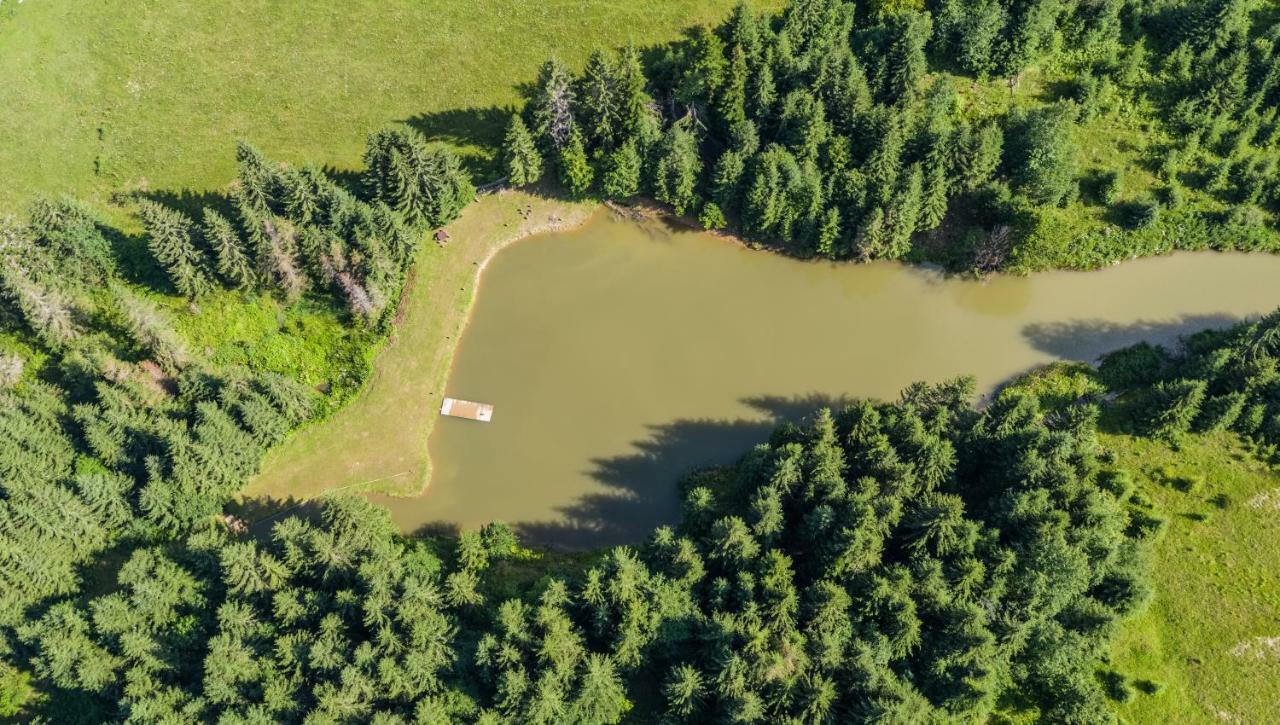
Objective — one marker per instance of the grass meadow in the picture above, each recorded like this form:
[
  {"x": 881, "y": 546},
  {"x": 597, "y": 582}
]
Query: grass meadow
[
  {"x": 1210, "y": 642},
  {"x": 116, "y": 96}
]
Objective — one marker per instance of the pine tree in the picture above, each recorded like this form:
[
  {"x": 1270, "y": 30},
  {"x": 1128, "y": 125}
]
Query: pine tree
[
  {"x": 886, "y": 161},
  {"x": 151, "y": 331},
  {"x": 601, "y": 101},
  {"x": 829, "y": 233},
  {"x": 258, "y": 176},
  {"x": 979, "y": 30},
  {"x": 46, "y": 311},
  {"x": 677, "y": 167},
  {"x": 803, "y": 126},
  {"x": 732, "y": 103},
  {"x": 622, "y": 172},
  {"x": 601, "y": 697},
  {"x": 906, "y": 63},
  {"x": 872, "y": 238},
  {"x": 233, "y": 263},
  {"x": 978, "y": 155},
  {"x": 640, "y": 119},
  {"x": 170, "y": 239},
  {"x": 711, "y": 217},
  {"x": 575, "y": 170},
  {"x": 934, "y": 206},
  {"x": 520, "y": 157},
  {"x": 1031, "y": 25},
  {"x": 703, "y": 69},
  {"x": 424, "y": 182},
  {"x": 1040, "y": 153}
]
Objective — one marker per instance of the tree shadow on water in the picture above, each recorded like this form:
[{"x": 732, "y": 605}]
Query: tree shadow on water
[
  {"x": 1089, "y": 339},
  {"x": 641, "y": 488}
]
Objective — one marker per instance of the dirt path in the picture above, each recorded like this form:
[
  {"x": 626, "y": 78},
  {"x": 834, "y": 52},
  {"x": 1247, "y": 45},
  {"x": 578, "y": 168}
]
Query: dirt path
[{"x": 378, "y": 441}]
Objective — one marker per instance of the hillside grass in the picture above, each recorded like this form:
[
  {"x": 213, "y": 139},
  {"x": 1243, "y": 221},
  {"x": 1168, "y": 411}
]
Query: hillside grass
[
  {"x": 1217, "y": 579},
  {"x": 117, "y": 95}
]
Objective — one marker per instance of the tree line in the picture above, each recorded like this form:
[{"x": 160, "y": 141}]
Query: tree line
[
  {"x": 297, "y": 230},
  {"x": 1218, "y": 380},
  {"x": 840, "y": 130},
  {"x": 907, "y": 561}
]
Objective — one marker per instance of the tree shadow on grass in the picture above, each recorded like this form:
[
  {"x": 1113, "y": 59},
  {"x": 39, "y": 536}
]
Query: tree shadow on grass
[
  {"x": 475, "y": 133},
  {"x": 1089, "y": 339},
  {"x": 641, "y": 489},
  {"x": 261, "y": 513}
]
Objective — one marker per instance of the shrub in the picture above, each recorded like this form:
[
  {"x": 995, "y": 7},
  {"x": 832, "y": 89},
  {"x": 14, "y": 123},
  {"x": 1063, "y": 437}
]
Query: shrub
[
  {"x": 1140, "y": 214},
  {"x": 1117, "y": 687},
  {"x": 1106, "y": 186},
  {"x": 1173, "y": 406},
  {"x": 711, "y": 217}
]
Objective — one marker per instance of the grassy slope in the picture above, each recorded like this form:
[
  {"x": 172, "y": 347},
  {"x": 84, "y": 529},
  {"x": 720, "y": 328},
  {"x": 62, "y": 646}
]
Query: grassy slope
[
  {"x": 114, "y": 95},
  {"x": 1217, "y": 585}
]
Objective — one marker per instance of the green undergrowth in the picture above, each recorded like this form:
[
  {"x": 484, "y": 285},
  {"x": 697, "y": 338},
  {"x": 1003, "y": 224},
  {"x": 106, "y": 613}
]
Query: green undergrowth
[{"x": 311, "y": 341}]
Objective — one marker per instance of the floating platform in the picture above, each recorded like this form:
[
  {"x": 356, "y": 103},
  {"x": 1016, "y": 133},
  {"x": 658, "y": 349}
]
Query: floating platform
[{"x": 482, "y": 412}]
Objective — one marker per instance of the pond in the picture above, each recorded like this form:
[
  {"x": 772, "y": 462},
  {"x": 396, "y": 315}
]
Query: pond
[{"x": 621, "y": 355}]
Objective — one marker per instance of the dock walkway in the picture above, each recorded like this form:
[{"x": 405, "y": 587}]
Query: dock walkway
[{"x": 482, "y": 412}]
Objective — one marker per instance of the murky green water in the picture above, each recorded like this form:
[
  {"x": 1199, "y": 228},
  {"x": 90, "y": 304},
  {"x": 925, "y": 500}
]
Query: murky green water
[{"x": 621, "y": 355}]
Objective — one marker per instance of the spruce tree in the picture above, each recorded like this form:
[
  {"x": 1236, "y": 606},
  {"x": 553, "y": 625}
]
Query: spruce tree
[
  {"x": 520, "y": 158},
  {"x": 575, "y": 170},
  {"x": 640, "y": 119},
  {"x": 622, "y": 172},
  {"x": 424, "y": 182},
  {"x": 906, "y": 63},
  {"x": 232, "y": 261},
  {"x": 600, "y": 101},
  {"x": 258, "y": 175},
  {"x": 1040, "y": 153},
  {"x": 677, "y": 167},
  {"x": 934, "y": 206},
  {"x": 170, "y": 239}
]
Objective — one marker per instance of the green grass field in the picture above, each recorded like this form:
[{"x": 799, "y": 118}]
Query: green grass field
[
  {"x": 118, "y": 95},
  {"x": 1212, "y": 634}
]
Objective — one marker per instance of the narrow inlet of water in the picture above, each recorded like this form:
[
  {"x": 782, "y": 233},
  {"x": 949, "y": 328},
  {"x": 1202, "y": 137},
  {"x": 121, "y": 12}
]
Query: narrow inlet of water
[{"x": 622, "y": 355}]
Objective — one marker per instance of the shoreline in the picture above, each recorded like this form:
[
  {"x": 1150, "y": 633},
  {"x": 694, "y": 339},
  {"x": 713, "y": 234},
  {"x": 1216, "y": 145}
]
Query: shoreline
[
  {"x": 386, "y": 415},
  {"x": 433, "y": 320}
]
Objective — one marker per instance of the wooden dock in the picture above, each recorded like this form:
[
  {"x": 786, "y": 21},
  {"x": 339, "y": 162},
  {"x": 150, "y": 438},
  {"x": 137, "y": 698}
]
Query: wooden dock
[{"x": 482, "y": 412}]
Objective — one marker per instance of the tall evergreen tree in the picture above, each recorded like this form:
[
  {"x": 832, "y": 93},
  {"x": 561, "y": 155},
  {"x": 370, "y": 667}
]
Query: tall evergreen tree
[
  {"x": 424, "y": 182},
  {"x": 600, "y": 101},
  {"x": 170, "y": 239},
  {"x": 520, "y": 158},
  {"x": 575, "y": 169},
  {"x": 233, "y": 263},
  {"x": 622, "y": 172},
  {"x": 553, "y": 106},
  {"x": 677, "y": 167}
]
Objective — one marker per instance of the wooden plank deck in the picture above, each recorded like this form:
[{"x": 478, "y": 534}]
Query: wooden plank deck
[{"x": 482, "y": 412}]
